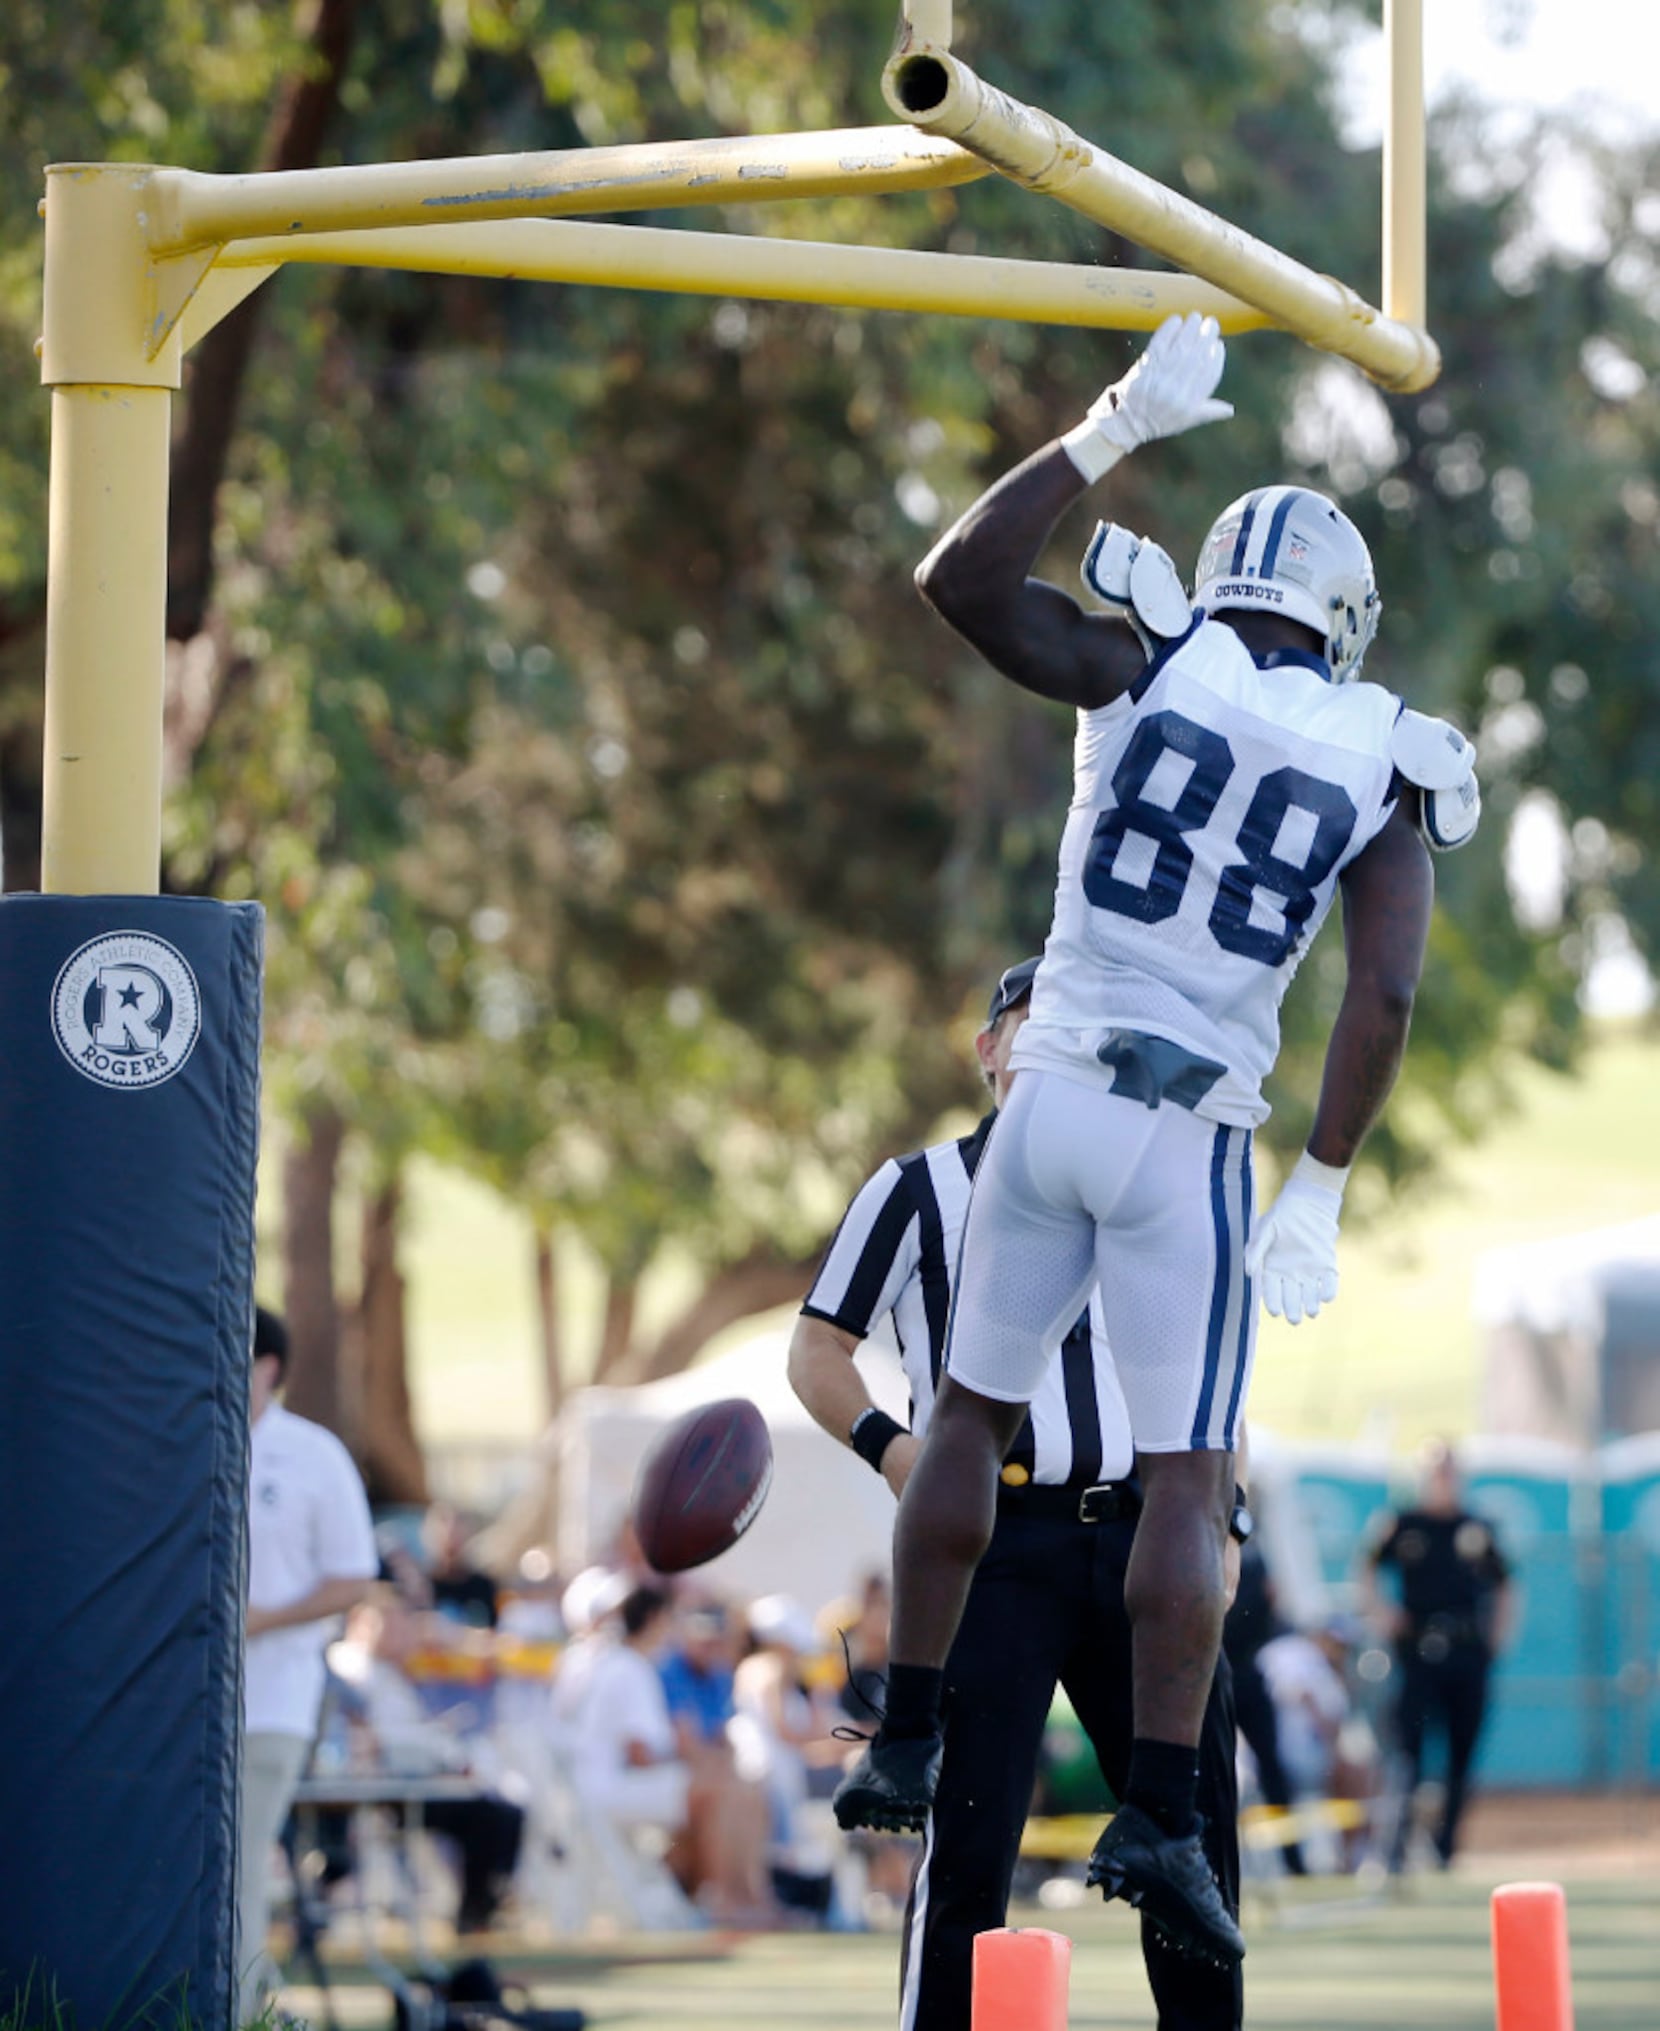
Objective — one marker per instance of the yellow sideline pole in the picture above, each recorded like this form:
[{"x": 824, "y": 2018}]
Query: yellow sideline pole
[
  {"x": 106, "y": 586},
  {"x": 943, "y": 96},
  {"x": 189, "y": 209},
  {"x": 798, "y": 271},
  {"x": 1405, "y": 200},
  {"x": 927, "y": 21}
]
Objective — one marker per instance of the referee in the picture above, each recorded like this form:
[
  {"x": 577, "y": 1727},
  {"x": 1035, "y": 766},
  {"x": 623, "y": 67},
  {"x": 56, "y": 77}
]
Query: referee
[{"x": 1047, "y": 1603}]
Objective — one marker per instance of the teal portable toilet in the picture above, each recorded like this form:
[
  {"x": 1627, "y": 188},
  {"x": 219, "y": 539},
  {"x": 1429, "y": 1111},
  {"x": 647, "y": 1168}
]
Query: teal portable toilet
[
  {"x": 1630, "y": 1519},
  {"x": 1335, "y": 1495}
]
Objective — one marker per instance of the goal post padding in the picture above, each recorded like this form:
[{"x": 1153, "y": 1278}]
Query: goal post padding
[{"x": 129, "y": 1127}]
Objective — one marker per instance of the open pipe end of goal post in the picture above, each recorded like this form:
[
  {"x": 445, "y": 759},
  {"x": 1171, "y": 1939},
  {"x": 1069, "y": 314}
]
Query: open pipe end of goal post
[
  {"x": 1532, "y": 1984},
  {"x": 1021, "y": 1976},
  {"x": 941, "y": 96}
]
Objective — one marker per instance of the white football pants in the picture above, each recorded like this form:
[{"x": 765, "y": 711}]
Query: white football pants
[{"x": 1077, "y": 1184}]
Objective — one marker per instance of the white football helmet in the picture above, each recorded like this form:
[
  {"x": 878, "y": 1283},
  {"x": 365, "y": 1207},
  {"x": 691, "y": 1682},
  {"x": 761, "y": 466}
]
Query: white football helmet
[{"x": 1288, "y": 550}]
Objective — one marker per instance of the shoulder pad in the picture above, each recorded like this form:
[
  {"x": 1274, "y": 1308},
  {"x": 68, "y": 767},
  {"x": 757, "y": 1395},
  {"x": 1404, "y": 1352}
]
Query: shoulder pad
[
  {"x": 1157, "y": 593},
  {"x": 1430, "y": 752},
  {"x": 1106, "y": 566},
  {"x": 1435, "y": 756},
  {"x": 1134, "y": 572}
]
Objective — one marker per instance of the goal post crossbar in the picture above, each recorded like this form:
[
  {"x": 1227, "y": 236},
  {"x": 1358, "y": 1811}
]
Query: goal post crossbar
[
  {"x": 141, "y": 261},
  {"x": 769, "y": 269}
]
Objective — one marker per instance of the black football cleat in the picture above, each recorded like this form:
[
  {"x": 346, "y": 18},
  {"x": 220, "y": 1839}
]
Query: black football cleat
[
  {"x": 891, "y": 1787},
  {"x": 1168, "y": 1878}
]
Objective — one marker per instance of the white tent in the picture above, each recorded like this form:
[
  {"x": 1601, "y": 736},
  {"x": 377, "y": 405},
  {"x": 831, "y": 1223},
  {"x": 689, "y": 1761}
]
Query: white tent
[
  {"x": 1573, "y": 1334},
  {"x": 827, "y": 1520},
  {"x": 1556, "y": 1285}
]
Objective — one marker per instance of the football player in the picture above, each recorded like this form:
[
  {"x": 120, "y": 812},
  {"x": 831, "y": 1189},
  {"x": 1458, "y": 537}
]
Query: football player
[{"x": 1231, "y": 776}]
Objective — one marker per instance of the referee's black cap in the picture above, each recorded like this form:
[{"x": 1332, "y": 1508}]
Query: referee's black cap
[
  {"x": 270, "y": 1335},
  {"x": 1014, "y": 987}
]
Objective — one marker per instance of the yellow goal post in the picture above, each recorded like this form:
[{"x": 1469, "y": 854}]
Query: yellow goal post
[{"x": 141, "y": 261}]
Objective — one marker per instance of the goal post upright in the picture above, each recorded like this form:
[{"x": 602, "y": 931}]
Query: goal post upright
[
  {"x": 926, "y": 21},
  {"x": 1405, "y": 179},
  {"x": 107, "y": 538}
]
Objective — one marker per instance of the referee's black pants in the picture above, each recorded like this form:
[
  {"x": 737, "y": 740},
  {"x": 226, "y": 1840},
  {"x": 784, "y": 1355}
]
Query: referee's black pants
[{"x": 1047, "y": 1607}]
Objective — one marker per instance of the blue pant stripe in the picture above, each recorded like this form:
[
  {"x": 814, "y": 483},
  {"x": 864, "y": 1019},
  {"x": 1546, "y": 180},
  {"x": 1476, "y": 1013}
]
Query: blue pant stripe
[
  {"x": 1219, "y": 1289},
  {"x": 1247, "y": 1300}
]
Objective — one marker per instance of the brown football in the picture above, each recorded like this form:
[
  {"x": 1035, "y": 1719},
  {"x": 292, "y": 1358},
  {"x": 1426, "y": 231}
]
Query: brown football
[{"x": 702, "y": 1484}]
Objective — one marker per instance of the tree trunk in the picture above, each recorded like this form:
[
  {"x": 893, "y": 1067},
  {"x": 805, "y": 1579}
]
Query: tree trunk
[
  {"x": 617, "y": 1334},
  {"x": 547, "y": 1323},
  {"x": 309, "y": 1174},
  {"x": 20, "y": 773},
  {"x": 757, "y": 1283},
  {"x": 391, "y": 1453},
  {"x": 219, "y": 370}
]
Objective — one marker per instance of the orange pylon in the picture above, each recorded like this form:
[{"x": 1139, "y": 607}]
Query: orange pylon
[
  {"x": 1020, "y": 1979},
  {"x": 1530, "y": 1958}
]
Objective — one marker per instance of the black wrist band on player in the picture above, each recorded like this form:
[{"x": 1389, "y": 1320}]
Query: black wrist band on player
[{"x": 871, "y": 1434}]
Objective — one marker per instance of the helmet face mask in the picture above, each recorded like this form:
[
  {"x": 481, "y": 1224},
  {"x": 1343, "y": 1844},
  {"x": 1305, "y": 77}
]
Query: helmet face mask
[{"x": 1290, "y": 551}]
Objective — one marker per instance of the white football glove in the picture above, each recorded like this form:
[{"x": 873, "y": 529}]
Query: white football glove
[
  {"x": 1293, "y": 1253},
  {"x": 1171, "y": 388}
]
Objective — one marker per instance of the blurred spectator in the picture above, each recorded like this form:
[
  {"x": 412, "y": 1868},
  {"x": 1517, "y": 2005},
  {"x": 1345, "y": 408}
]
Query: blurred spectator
[
  {"x": 721, "y": 1856},
  {"x": 527, "y": 1632},
  {"x": 1305, "y": 1672},
  {"x": 589, "y": 1609},
  {"x": 372, "y": 1664},
  {"x": 782, "y": 1735},
  {"x": 888, "y": 1859},
  {"x": 626, "y": 1755},
  {"x": 459, "y": 1590},
  {"x": 1304, "y": 1675},
  {"x": 400, "y": 1567},
  {"x": 529, "y": 1605},
  {"x": 1452, "y": 1617},
  {"x": 696, "y": 1670},
  {"x": 867, "y": 1651},
  {"x": 311, "y": 1555},
  {"x": 1253, "y": 1622}
]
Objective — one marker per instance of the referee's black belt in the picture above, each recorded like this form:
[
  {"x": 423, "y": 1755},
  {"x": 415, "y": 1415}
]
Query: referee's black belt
[{"x": 1102, "y": 1502}]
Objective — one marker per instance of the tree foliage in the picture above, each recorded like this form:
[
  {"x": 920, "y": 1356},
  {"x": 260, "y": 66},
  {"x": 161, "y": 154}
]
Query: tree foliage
[{"x": 629, "y": 832}]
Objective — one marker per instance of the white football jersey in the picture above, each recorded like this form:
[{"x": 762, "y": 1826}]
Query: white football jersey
[{"x": 1214, "y": 807}]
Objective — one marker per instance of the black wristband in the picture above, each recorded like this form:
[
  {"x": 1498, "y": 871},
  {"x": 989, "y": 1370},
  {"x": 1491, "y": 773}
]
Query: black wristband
[{"x": 871, "y": 1434}]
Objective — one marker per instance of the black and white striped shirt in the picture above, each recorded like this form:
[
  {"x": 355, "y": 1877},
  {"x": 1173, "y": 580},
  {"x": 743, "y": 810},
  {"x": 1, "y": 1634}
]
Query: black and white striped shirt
[{"x": 896, "y": 1253}]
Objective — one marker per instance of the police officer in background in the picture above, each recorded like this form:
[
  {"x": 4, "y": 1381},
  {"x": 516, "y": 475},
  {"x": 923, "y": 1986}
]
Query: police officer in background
[
  {"x": 1454, "y": 1614},
  {"x": 1047, "y": 1602}
]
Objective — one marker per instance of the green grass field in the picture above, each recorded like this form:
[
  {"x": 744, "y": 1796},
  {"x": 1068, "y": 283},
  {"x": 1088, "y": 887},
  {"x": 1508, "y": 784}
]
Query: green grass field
[
  {"x": 1398, "y": 1357},
  {"x": 1422, "y": 1960}
]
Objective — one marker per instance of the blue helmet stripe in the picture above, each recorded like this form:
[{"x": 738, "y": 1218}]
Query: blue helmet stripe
[
  {"x": 1244, "y": 536},
  {"x": 1276, "y": 529}
]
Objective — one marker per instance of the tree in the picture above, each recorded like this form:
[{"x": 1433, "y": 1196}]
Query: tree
[{"x": 628, "y": 831}]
